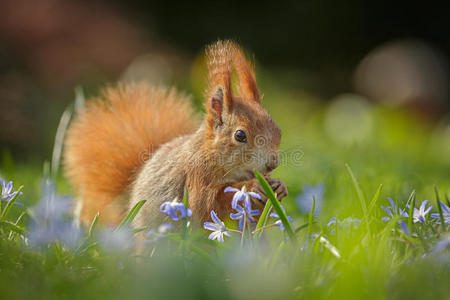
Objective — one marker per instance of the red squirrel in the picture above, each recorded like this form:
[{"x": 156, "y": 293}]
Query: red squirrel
[{"x": 137, "y": 142}]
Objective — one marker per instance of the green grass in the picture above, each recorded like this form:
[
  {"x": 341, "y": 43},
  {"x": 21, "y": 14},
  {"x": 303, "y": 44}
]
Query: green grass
[{"x": 376, "y": 260}]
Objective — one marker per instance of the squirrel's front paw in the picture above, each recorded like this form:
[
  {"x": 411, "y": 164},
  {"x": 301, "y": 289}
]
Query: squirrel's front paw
[{"x": 278, "y": 186}]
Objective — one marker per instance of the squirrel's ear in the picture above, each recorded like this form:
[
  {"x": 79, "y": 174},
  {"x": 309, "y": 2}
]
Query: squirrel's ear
[{"x": 219, "y": 105}]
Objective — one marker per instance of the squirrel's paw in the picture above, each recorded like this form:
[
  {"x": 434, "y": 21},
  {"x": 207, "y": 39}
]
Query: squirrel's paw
[{"x": 278, "y": 186}]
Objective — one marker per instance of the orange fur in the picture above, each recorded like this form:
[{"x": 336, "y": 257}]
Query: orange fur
[{"x": 115, "y": 134}]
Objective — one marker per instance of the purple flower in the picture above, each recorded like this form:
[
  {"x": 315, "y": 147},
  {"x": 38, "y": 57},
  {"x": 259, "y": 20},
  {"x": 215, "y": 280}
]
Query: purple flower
[
  {"x": 305, "y": 200},
  {"x": 442, "y": 244},
  {"x": 332, "y": 221},
  {"x": 347, "y": 224},
  {"x": 8, "y": 193},
  {"x": 218, "y": 228},
  {"x": 404, "y": 227},
  {"x": 243, "y": 213},
  {"x": 279, "y": 223},
  {"x": 153, "y": 236},
  {"x": 241, "y": 195},
  {"x": 176, "y": 210},
  {"x": 421, "y": 213},
  {"x": 393, "y": 211},
  {"x": 445, "y": 214},
  {"x": 52, "y": 220},
  {"x": 313, "y": 237}
]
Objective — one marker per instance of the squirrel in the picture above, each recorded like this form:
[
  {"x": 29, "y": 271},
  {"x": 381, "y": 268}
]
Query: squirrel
[{"x": 137, "y": 142}]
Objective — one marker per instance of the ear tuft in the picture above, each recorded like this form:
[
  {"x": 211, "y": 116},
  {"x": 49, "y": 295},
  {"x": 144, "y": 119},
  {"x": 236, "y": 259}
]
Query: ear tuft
[{"x": 248, "y": 89}]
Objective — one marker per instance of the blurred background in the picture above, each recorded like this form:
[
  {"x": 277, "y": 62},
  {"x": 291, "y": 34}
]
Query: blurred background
[{"x": 338, "y": 57}]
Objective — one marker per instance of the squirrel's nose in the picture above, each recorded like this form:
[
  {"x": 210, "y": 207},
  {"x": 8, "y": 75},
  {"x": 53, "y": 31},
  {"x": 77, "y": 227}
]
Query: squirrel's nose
[{"x": 273, "y": 163}]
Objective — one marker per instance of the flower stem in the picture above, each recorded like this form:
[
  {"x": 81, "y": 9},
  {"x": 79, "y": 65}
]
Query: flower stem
[
  {"x": 243, "y": 230},
  {"x": 262, "y": 228}
]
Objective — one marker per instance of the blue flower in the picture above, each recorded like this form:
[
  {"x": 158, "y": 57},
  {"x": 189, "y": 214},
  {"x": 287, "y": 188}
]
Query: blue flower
[
  {"x": 279, "y": 223},
  {"x": 153, "y": 236},
  {"x": 445, "y": 214},
  {"x": 52, "y": 220},
  {"x": 8, "y": 193},
  {"x": 347, "y": 224},
  {"x": 404, "y": 227},
  {"x": 218, "y": 228},
  {"x": 176, "y": 210},
  {"x": 442, "y": 244},
  {"x": 243, "y": 213},
  {"x": 421, "y": 213},
  {"x": 241, "y": 195},
  {"x": 393, "y": 211},
  {"x": 313, "y": 237},
  {"x": 305, "y": 200}
]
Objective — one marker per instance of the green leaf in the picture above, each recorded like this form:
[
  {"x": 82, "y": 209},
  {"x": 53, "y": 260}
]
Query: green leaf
[
  {"x": 131, "y": 215},
  {"x": 276, "y": 205},
  {"x": 262, "y": 219}
]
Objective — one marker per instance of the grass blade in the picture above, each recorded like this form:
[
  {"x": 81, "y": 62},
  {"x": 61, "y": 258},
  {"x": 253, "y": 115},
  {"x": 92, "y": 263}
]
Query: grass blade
[
  {"x": 311, "y": 217},
  {"x": 301, "y": 227},
  {"x": 276, "y": 256},
  {"x": 185, "y": 198},
  {"x": 185, "y": 220},
  {"x": 411, "y": 211},
  {"x": 361, "y": 197},
  {"x": 374, "y": 200},
  {"x": 13, "y": 227},
  {"x": 441, "y": 216},
  {"x": 131, "y": 215},
  {"x": 93, "y": 225},
  {"x": 20, "y": 218},
  {"x": 276, "y": 205},
  {"x": 79, "y": 99},
  {"x": 59, "y": 140},
  {"x": 328, "y": 245},
  {"x": 262, "y": 219}
]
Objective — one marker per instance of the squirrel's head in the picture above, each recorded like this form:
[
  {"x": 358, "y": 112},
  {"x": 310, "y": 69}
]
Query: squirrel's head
[{"x": 237, "y": 126}]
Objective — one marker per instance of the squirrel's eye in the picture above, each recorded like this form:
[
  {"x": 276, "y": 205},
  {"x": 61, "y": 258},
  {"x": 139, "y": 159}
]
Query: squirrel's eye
[{"x": 240, "y": 136}]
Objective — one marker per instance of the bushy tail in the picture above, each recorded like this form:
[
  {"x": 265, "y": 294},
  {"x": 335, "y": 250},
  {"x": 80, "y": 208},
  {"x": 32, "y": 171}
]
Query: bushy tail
[{"x": 115, "y": 134}]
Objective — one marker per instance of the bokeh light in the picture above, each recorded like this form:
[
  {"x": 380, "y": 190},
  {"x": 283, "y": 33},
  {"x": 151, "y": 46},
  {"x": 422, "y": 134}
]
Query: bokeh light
[{"x": 348, "y": 119}]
